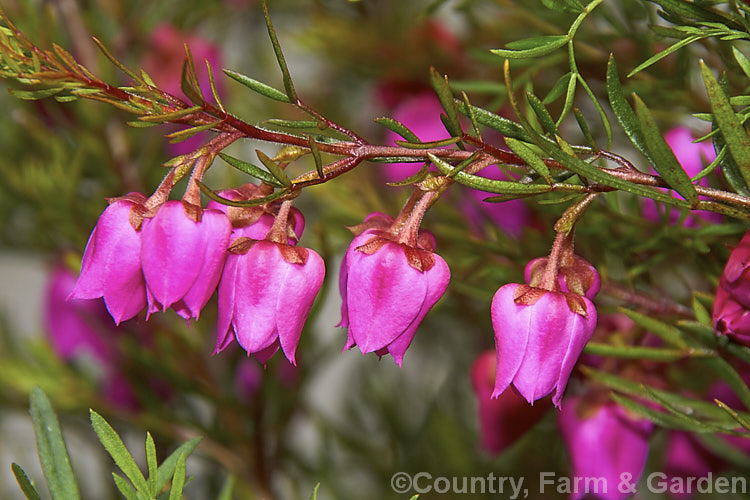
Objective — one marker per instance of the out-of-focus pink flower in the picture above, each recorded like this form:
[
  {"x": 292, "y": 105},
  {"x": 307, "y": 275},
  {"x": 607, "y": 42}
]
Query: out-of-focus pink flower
[
  {"x": 387, "y": 289},
  {"x": 111, "y": 265},
  {"x": 736, "y": 275},
  {"x": 264, "y": 299},
  {"x": 163, "y": 63},
  {"x": 603, "y": 441},
  {"x": 505, "y": 419},
  {"x": 539, "y": 336},
  {"x": 421, "y": 114},
  {"x": 691, "y": 156},
  {"x": 183, "y": 258}
]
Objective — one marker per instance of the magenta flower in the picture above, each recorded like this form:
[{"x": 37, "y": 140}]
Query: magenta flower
[
  {"x": 575, "y": 275},
  {"x": 111, "y": 265},
  {"x": 736, "y": 276},
  {"x": 604, "y": 441},
  {"x": 539, "y": 335},
  {"x": 505, "y": 419},
  {"x": 183, "y": 257},
  {"x": 265, "y": 294},
  {"x": 731, "y": 312},
  {"x": 387, "y": 289},
  {"x": 692, "y": 157}
]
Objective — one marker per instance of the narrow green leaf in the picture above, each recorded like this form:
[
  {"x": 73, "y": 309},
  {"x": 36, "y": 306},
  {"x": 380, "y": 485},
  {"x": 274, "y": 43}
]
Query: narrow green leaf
[
  {"x": 66, "y": 98},
  {"x": 531, "y": 158},
  {"x": 245, "y": 203},
  {"x": 729, "y": 167},
  {"x": 472, "y": 117},
  {"x": 167, "y": 467},
  {"x": 570, "y": 96},
  {"x": 418, "y": 177},
  {"x": 585, "y": 128},
  {"x": 541, "y": 112},
  {"x": 742, "y": 61},
  {"x": 693, "y": 11},
  {"x": 293, "y": 123},
  {"x": 227, "y": 490},
  {"x": 119, "y": 453},
  {"x": 599, "y": 109},
  {"x": 736, "y": 416},
  {"x": 124, "y": 488},
  {"x": 622, "y": 110},
  {"x": 166, "y": 117},
  {"x": 137, "y": 124},
  {"x": 316, "y": 157},
  {"x": 187, "y": 133},
  {"x": 532, "y": 47},
  {"x": 731, "y": 377},
  {"x": 443, "y": 91},
  {"x": 557, "y": 89},
  {"x": 667, "y": 333},
  {"x": 487, "y": 185},
  {"x": 24, "y": 483},
  {"x": 288, "y": 85},
  {"x": 496, "y": 122},
  {"x": 314, "y": 495},
  {"x": 33, "y": 95},
  {"x": 639, "y": 352},
  {"x": 662, "y": 419},
  {"x": 178, "y": 480},
  {"x": 274, "y": 168},
  {"x": 665, "y": 162},
  {"x": 189, "y": 82},
  {"x": 701, "y": 313},
  {"x": 428, "y": 145},
  {"x": 664, "y": 53},
  {"x": 151, "y": 462},
  {"x": 251, "y": 169},
  {"x": 114, "y": 60},
  {"x": 729, "y": 123},
  {"x": 259, "y": 87},
  {"x": 212, "y": 84},
  {"x": 398, "y": 127},
  {"x": 53, "y": 455}
]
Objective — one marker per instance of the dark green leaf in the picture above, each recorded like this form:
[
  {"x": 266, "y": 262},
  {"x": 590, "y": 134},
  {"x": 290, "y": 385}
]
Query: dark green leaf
[
  {"x": 487, "y": 185},
  {"x": 245, "y": 203},
  {"x": 585, "y": 128},
  {"x": 736, "y": 416},
  {"x": 166, "y": 117},
  {"x": 443, "y": 91},
  {"x": 664, "y": 53},
  {"x": 293, "y": 123},
  {"x": 731, "y": 377},
  {"x": 119, "y": 453},
  {"x": 286, "y": 76},
  {"x": 667, "y": 333},
  {"x": 316, "y": 157},
  {"x": 622, "y": 110},
  {"x": 189, "y": 82},
  {"x": 558, "y": 89},
  {"x": 532, "y": 47},
  {"x": 531, "y": 158},
  {"x": 399, "y": 128},
  {"x": 729, "y": 123},
  {"x": 639, "y": 352},
  {"x": 274, "y": 168},
  {"x": 53, "y": 455},
  {"x": 428, "y": 145},
  {"x": 496, "y": 122},
  {"x": 418, "y": 177},
  {"x": 541, "y": 112},
  {"x": 259, "y": 87},
  {"x": 660, "y": 418},
  {"x": 665, "y": 162},
  {"x": 167, "y": 467},
  {"x": 24, "y": 483},
  {"x": 693, "y": 11}
]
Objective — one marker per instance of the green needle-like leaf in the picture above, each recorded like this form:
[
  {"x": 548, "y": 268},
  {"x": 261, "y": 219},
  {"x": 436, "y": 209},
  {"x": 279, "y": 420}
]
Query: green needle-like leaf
[
  {"x": 178, "y": 480},
  {"x": 53, "y": 455},
  {"x": 532, "y": 47},
  {"x": 314, "y": 495},
  {"x": 736, "y": 416},
  {"x": 667, "y": 333},
  {"x": 665, "y": 162},
  {"x": 316, "y": 156},
  {"x": 286, "y": 76},
  {"x": 124, "y": 488},
  {"x": 167, "y": 467},
  {"x": 245, "y": 203},
  {"x": 274, "y": 168},
  {"x": 24, "y": 483},
  {"x": 531, "y": 158},
  {"x": 731, "y": 377},
  {"x": 251, "y": 169},
  {"x": 119, "y": 453},
  {"x": 622, "y": 110},
  {"x": 443, "y": 91},
  {"x": 496, "y": 122},
  {"x": 398, "y": 127},
  {"x": 259, "y": 87},
  {"x": 151, "y": 462},
  {"x": 729, "y": 123},
  {"x": 541, "y": 112},
  {"x": 227, "y": 490},
  {"x": 487, "y": 185}
]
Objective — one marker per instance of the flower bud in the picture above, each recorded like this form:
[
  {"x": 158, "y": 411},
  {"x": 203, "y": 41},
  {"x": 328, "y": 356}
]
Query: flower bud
[
  {"x": 387, "y": 288},
  {"x": 736, "y": 276},
  {"x": 111, "y": 265},
  {"x": 730, "y": 317},
  {"x": 603, "y": 441},
  {"x": 183, "y": 257},
  {"x": 505, "y": 419},
  {"x": 538, "y": 335}
]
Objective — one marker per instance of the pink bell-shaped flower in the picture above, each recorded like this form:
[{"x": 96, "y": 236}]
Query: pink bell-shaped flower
[
  {"x": 111, "y": 265},
  {"x": 505, "y": 419},
  {"x": 266, "y": 292},
  {"x": 539, "y": 335},
  {"x": 387, "y": 289},
  {"x": 603, "y": 441},
  {"x": 183, "y": 256}
]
